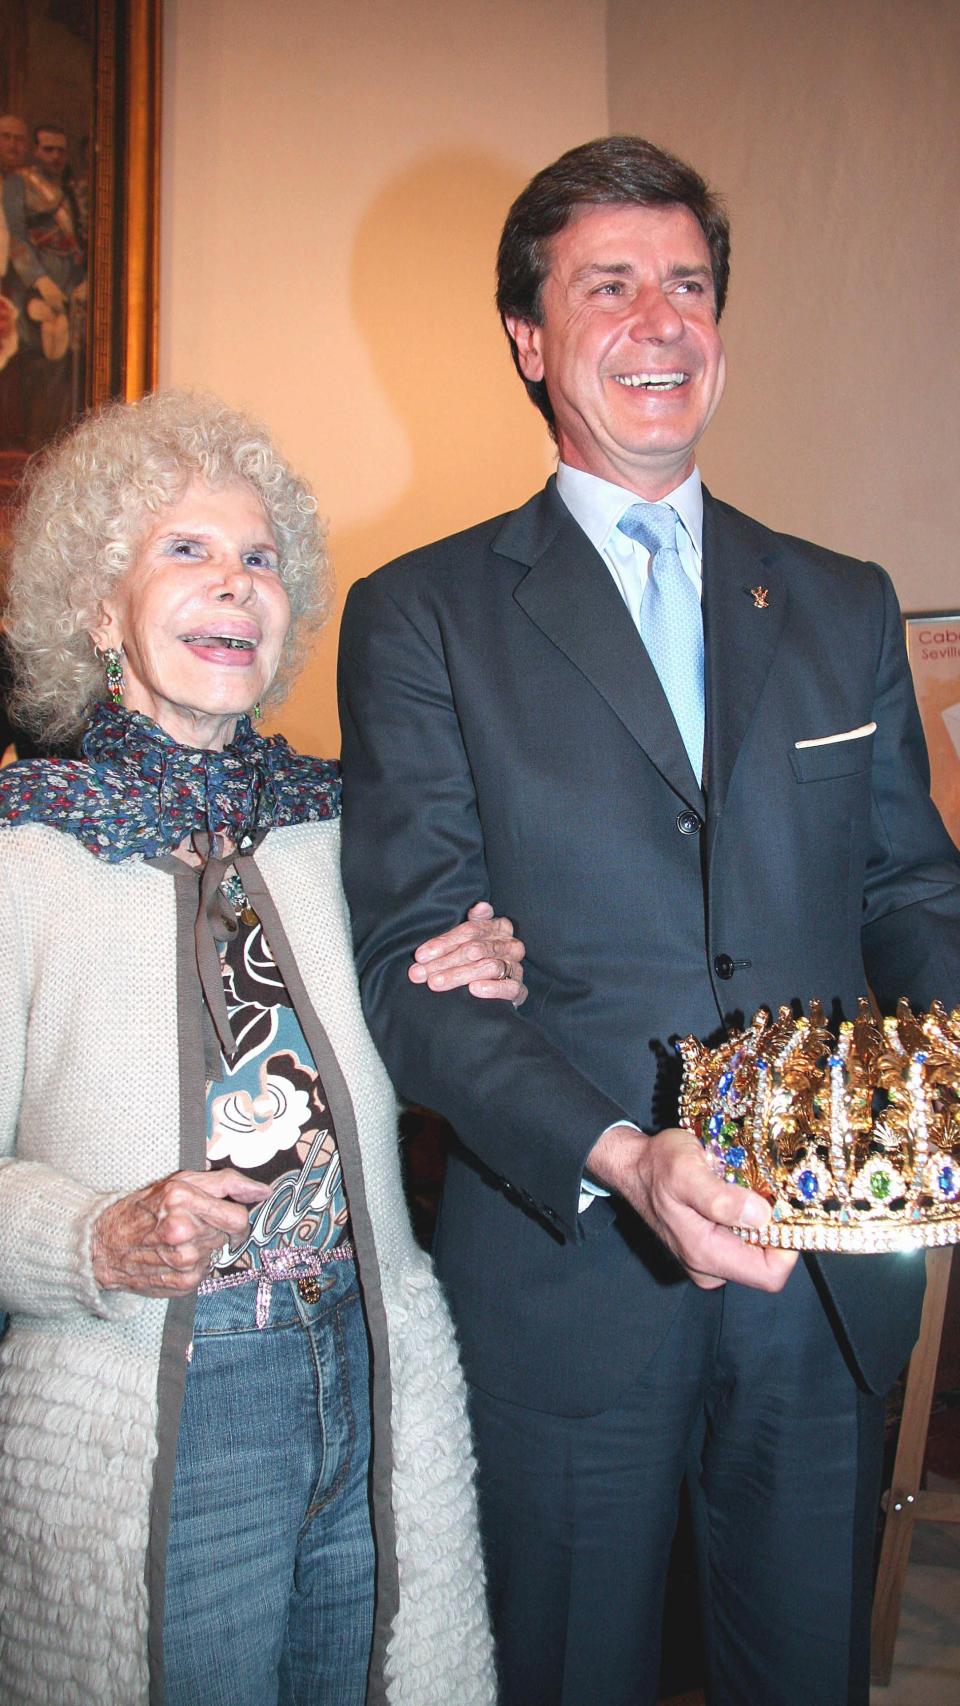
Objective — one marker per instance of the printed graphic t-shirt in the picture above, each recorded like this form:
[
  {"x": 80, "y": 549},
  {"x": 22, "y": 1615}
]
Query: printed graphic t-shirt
[{"x": 267, "y": 1113}]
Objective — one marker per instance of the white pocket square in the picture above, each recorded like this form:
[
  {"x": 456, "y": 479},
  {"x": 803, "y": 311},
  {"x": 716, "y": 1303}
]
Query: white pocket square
[{"x": 848, "y": 734}]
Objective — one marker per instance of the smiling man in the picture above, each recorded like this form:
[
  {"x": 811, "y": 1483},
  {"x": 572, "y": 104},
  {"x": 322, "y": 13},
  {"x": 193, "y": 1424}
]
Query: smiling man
[
  {"x": 684, "y": 753},
  {"x": 626, "y": 343}
]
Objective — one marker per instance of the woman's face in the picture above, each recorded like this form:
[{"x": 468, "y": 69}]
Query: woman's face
[{"x": 201, "y": 614}]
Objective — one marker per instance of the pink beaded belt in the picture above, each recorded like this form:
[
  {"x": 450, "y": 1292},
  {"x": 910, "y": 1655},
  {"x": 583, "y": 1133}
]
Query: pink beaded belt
[{"x": 282, "y": 1264}]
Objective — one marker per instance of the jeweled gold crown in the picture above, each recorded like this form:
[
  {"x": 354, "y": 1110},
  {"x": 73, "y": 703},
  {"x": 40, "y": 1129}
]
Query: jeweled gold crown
[{"x": 853, "y": 1137}]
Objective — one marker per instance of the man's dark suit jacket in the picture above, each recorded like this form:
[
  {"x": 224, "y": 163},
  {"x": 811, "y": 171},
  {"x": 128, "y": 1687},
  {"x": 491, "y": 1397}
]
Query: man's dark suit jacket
[{"x": 505, "y": 736}]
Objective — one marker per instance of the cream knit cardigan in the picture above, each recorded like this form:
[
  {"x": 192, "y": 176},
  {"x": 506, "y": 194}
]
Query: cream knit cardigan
[{"x": 89, "y": 1109}]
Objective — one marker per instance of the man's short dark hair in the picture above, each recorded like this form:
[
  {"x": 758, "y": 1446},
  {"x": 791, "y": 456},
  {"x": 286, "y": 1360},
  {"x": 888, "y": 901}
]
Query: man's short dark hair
[
  {"x": 612, "y": 169},
  {"x": 57, "y": 130}
]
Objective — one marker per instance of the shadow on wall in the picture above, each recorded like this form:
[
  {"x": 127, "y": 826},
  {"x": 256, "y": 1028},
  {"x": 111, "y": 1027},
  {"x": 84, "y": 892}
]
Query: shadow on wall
[
  {"x": 422, "y": 293},
  {"x": 422, "y": 297}
]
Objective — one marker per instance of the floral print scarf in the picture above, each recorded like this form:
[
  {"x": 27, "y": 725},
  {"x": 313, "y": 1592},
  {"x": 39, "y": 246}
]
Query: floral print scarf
[{"x": 136, "y": 791}]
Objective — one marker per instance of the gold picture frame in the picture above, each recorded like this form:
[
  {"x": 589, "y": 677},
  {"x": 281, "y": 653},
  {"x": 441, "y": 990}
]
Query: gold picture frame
[{"x": 125, "y": 227}]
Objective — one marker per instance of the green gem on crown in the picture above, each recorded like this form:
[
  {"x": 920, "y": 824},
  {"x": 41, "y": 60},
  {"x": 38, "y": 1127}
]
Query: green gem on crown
[{"x": 880, "y": 1185}]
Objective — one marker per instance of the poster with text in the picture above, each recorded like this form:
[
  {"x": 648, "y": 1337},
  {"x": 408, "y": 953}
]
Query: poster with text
[{"x": 933, "y": 647}]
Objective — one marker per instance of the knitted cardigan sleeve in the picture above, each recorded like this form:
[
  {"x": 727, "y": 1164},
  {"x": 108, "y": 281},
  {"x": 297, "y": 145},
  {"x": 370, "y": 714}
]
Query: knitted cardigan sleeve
[{"x": 46, "y": 1217}]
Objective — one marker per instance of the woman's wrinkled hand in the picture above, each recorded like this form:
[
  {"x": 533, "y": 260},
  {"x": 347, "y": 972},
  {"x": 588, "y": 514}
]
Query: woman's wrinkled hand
[
  {"x": 482, "y": 953},
  {"x": 158, "y": 1241}
]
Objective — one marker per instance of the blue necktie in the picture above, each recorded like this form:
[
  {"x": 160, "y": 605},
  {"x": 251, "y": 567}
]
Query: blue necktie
[{"x": 671, "y": 622}]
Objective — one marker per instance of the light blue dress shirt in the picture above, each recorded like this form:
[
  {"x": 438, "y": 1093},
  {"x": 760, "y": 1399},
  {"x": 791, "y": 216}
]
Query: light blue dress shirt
[{"x": 597, "y": 506}]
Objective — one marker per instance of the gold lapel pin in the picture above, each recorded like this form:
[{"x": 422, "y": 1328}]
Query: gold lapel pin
[{"x": 760, "y": 596}]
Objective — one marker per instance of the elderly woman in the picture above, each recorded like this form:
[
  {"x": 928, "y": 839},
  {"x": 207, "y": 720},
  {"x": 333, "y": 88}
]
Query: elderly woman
[{"x": 214, "y": 1295}]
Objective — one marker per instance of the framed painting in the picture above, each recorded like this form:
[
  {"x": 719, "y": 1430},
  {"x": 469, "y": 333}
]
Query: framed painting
[
  {"x": 933, "y": 647},
  {"x": 79, "y": 154}
]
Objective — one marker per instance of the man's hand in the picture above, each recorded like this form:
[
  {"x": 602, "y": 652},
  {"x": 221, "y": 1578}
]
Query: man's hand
[
  {"x": 668, "y": 1180},
  {"x": 158, "y": 1241},
  {"x": 482, "y": 953}
]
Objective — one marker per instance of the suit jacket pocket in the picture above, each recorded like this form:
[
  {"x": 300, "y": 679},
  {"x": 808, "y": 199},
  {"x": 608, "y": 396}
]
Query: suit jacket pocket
[{"x": 841, "y": 758}]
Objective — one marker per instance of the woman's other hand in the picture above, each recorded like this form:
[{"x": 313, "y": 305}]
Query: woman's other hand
[
  {"x": 159, "y": 1241},
  {"x": 483, "y": 953}
]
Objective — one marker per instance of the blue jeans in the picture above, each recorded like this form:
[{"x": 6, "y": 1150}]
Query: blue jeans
[{"x": 270, "y": 1561}]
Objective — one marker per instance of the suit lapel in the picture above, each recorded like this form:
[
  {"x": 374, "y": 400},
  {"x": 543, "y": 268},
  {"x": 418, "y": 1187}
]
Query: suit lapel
[
  {"x": 570, "y": 595},
  {"x": 745, "y": 593}
]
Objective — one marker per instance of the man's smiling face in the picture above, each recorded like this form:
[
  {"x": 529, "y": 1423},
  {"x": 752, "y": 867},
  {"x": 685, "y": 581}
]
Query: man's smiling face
[{"x": 628, "y": 345}]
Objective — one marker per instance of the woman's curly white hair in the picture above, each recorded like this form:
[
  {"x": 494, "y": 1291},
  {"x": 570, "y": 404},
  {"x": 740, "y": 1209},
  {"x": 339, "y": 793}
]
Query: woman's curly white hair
[{"x": 92, "y": 496}]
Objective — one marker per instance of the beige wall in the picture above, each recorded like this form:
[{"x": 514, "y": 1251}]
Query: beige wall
[
  {"x": 335, "y": 176},
  {"x": 832, "y": 127},
  {"x": 334, "y": 180}
]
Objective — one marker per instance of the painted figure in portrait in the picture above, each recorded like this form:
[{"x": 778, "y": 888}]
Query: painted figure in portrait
[
  {"x": 47, "y": 85},
  {"x": 46, "y": 282},
  {"x": 47, "y": 97}
]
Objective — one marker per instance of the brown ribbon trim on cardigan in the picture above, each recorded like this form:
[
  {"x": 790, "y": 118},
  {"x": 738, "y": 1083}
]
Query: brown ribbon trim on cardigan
[{"x": 215, "y": 920}]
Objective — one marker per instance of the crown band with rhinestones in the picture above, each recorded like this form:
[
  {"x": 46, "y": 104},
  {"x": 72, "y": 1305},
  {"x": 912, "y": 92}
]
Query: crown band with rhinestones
[{"x": 853, "y": 1136}]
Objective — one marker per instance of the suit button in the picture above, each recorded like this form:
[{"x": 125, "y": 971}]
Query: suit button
[
  {"x": 723, "y": 966},
  {"x": 688, "y": 823}
]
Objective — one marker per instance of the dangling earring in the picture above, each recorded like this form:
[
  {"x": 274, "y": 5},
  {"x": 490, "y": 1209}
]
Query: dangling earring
[
  {"x": 256, "y": 711},
  {"x": 110, "y": 658}
]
